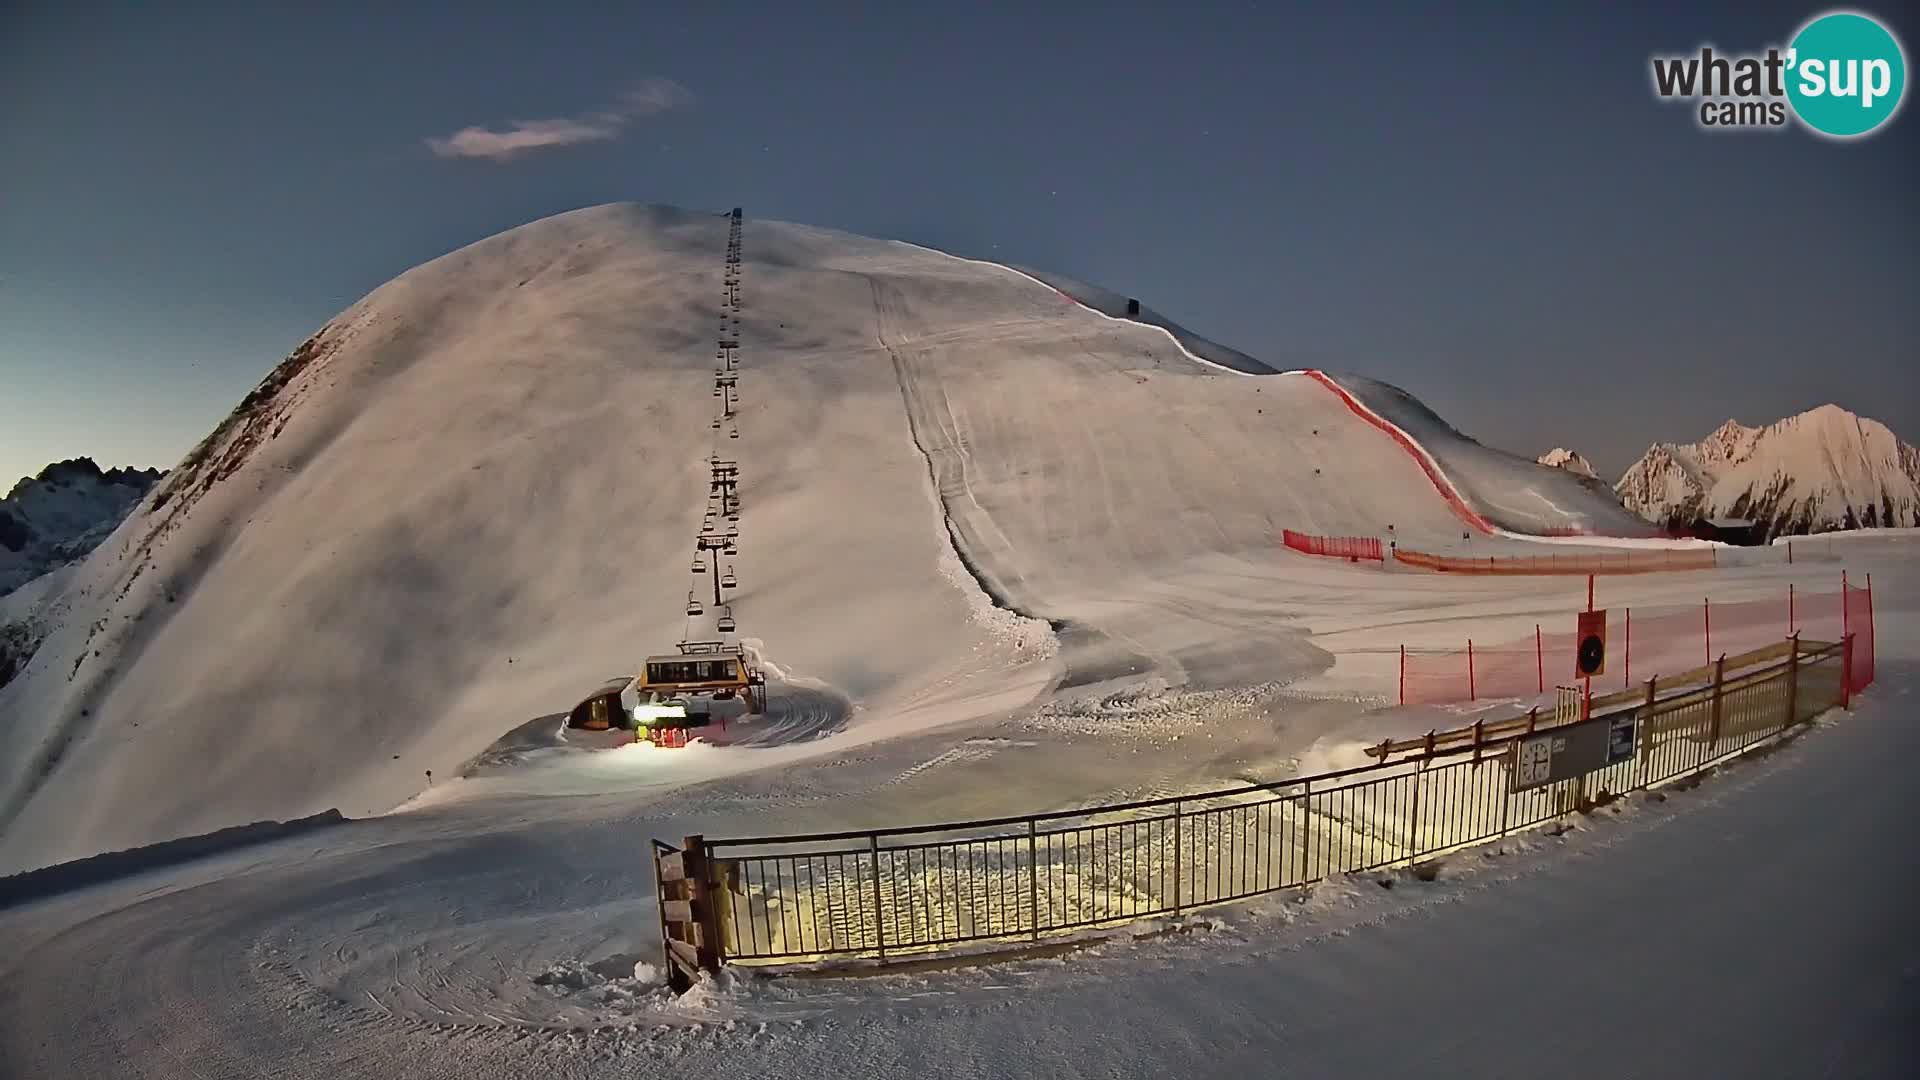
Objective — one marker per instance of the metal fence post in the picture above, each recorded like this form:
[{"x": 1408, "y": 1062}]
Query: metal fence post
[
  {"x": 1413, "y": 829},
  {"x": 1176, "y": 857},
  {"x": 1306, "y": 832},
  {"x": 1646, "y": 727},
  {"x": 1793, "y": 681},
  {"x": 879, "y": 924},
  {"x": 1506, "y": 788},
  {"x": 1033, "y": 877},
  {"x": 1713, "y": 715}
]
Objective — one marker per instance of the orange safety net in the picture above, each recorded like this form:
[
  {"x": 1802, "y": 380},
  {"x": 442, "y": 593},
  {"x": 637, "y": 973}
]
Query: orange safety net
[
  {"x": 1586, "y": 562},
  {"x": 1639, "y": 646}
]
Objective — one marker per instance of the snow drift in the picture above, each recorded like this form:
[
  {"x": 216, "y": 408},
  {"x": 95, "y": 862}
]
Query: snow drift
[{"x": 472, "y": 495}]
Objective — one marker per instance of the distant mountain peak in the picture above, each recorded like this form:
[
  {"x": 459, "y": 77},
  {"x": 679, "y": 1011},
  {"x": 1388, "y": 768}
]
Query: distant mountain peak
[
  {"x": 1561, "y": 458},
  {"x": 57, "y": 516},
  {"x": 1823, "y": 469}
]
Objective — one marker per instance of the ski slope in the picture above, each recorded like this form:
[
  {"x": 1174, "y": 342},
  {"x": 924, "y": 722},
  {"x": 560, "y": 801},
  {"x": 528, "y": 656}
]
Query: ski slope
[
  {"x": 471, "y": 497},
  {"x": 501, "y": 938}
]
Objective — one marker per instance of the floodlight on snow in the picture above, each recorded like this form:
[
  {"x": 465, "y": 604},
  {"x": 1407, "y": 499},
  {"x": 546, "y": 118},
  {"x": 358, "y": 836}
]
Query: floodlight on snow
[{"x": 647, "y": 714}]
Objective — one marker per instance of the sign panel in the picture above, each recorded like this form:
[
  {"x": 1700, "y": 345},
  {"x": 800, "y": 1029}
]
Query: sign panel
[
  {"x": 1590, "y": 645},
  {"x": 1620, "y": 732},
  {"x": 1564, "y": 753}
]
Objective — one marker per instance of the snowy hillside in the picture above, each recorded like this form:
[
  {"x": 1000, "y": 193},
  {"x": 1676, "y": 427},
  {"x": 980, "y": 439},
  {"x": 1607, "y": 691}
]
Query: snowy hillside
[
  {"x": 54, "y": 518},
  {"x": 471, "y": 497},
  {"x": 1821, "y": 470},
  {"x": 1570, "y": 460}
]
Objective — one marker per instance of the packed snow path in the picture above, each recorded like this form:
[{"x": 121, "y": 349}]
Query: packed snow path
[{"x": 1753, "y": 926}]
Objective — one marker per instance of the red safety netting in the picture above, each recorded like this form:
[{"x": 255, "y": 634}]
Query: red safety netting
[
  {"x": 1639, "y": 646},
  {"x": 1591, "y": 562},
  {"x": 1343, "y": 547},
  {"x": 1858, "y": 620}
]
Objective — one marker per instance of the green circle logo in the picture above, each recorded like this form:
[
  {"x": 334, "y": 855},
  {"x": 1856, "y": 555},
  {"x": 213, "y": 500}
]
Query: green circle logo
[{"x": 1845, "y": 74}]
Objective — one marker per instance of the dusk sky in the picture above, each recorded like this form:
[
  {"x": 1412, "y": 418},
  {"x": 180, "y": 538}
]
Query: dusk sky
[{"x": 1490, "y": 209}]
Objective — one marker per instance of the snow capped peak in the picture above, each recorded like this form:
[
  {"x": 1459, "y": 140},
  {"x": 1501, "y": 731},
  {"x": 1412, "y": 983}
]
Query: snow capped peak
[
  {"x": 1562, "y": 458},
  {"x": 1826, "y": 468},
  {"x": 58, "y": 516}
]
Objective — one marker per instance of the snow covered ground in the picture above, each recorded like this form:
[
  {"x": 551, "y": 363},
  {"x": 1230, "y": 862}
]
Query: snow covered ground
[
  {"x": 1751, "y": 926},
  {"x": 974, "y": 511}
]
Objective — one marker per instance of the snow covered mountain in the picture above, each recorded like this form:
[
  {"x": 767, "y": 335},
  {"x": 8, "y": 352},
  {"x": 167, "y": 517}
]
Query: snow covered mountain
[
  {"x": 1562, "y": 458},
  {"x": 54, "y": 518},
  {"x": 1821, "y": 470},
  {"x": 473, "y": 495}
]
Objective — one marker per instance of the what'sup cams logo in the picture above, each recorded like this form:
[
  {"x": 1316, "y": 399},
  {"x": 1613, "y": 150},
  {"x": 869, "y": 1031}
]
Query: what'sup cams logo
[{"x": 1842, "y": 75}]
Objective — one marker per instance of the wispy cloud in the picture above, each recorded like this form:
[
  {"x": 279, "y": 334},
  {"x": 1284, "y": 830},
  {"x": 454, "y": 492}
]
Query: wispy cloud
[{"x": 649, "y": 98}]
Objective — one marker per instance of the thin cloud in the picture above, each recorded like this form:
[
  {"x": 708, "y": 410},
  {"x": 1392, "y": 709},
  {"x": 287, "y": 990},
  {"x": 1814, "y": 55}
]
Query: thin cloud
[{"x": 650, "y": 98}]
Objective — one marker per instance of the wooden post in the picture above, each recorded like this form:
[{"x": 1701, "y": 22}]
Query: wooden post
[
  {"x": 1790, "y": 613},
  {"x": 1539, "y": 660},
  {"x": 1589, "y": 592},
  {"x": 705, "y": 913},
  {"x": 1403, "y": 674},
  {"x": 1478, "y": 726}
]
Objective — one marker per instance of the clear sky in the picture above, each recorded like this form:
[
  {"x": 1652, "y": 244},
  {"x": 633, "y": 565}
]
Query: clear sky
[{"x": 1485, "y": 205}]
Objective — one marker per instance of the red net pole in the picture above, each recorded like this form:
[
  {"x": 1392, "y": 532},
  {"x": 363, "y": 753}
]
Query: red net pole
[
  {"x": 1790, "y": 619},
  {"x": 1473, "y": 694},
  {"x": 1403, "y": 674},
  {"x": 1872, "y": 648},
  {"x": 1589, "y": 592},
  {"x": 1706, "y": 610},
  {"x": 1846, "y": 672},
  {"x": 1628, "y": 679},
  {"x": 1846, "y": 622}
]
